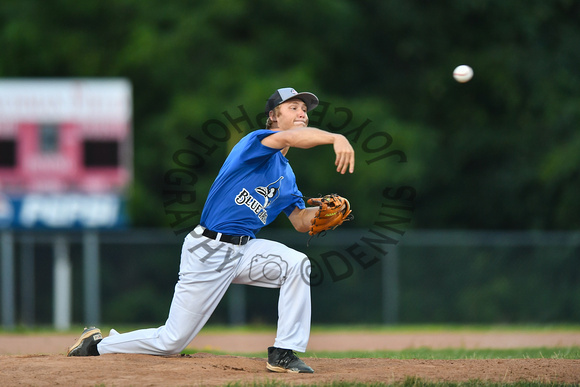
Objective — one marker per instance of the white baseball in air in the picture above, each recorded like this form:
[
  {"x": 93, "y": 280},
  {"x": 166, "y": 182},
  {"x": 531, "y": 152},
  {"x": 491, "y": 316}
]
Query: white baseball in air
[{"x": 463, "y": 73}]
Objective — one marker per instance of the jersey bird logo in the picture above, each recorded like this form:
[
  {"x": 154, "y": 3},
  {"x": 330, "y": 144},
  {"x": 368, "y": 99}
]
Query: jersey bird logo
[{"x": 270, "y": 192}]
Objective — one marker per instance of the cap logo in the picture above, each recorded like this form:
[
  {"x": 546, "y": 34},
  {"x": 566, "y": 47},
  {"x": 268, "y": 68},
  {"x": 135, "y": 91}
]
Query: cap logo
[{"x": 293, "y": 91}]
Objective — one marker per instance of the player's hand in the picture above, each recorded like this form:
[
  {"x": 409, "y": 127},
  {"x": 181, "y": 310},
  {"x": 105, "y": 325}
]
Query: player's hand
[{"x": 344, "y": 155}]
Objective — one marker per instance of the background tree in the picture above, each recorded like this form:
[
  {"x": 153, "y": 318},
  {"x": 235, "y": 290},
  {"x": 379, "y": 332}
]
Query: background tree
[{"x": 500, "y": 152}]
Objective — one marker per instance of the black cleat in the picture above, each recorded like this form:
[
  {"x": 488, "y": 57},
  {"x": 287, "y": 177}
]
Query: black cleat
[
  {"x": 86, "y": 345},
  {"x": 284, "y": 360}
]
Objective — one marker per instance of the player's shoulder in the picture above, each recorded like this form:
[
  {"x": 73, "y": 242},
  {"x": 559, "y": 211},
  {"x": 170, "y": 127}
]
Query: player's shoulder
[
  {"x": 256, "y": 136},
  {"x": 262, "y": 133},
  {"x": 252, "y": 141}
]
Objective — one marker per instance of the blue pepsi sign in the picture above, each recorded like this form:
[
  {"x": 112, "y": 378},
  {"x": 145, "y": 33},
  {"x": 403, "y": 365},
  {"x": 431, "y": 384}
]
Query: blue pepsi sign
[{"x": 63, "y": 211}]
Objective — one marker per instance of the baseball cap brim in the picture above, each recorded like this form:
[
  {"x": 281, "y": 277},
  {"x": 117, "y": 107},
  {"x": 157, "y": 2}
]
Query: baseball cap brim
[{"x": 284, "y": 94}]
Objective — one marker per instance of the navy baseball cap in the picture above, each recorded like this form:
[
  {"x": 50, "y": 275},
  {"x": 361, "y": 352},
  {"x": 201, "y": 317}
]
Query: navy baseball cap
[{"x": 282, "y": 95}]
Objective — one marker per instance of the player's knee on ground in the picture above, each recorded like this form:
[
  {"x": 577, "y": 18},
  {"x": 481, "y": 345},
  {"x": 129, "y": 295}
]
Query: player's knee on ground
[{"x": 174, "y": 345}]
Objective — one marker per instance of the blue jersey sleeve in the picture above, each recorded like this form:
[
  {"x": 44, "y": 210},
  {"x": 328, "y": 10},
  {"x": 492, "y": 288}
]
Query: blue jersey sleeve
[{"x": 298, "y": 202}]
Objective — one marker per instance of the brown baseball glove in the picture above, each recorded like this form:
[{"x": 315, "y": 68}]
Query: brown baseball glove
[{"x": 333, "y": 210}]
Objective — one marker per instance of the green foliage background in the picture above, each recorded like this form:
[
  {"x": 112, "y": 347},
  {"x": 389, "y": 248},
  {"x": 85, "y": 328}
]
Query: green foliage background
[{"x": 500, "y": 152}]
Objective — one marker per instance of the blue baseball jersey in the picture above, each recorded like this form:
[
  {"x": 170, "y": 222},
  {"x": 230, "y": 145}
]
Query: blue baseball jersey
[{"x": 255, "y": 184}]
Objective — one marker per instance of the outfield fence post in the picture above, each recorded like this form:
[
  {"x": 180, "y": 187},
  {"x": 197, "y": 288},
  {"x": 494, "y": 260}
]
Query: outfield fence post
[
  {"x": 62, "y": 278},
  {"x": 390, "y": 278},
  {"x": 91, "y": 278},
  {"x": 27, "y": 280},
  {"x": 7, "y": 278}
]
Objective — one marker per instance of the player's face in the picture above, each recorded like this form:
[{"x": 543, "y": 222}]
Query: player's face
[{"x": 291, "y": 114}]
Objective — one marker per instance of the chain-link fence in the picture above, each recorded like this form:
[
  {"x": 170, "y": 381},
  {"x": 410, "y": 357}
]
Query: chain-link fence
[{"x": 357, "y": 277}]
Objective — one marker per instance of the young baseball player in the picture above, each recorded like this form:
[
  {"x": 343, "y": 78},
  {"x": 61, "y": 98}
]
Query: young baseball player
[{"x": 254, "y": 185}]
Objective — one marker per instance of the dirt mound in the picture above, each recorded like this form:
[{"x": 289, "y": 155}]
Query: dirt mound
[
  {"x": 39, "y": 360},
  {"x": 212, "y": 370}
]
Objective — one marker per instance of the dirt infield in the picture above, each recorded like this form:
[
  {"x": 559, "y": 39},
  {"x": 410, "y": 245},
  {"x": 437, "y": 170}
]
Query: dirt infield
[{"x": 40, "y": 360}]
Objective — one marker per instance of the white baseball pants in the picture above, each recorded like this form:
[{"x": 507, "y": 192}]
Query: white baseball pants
[{"x": 206, "y": 270}]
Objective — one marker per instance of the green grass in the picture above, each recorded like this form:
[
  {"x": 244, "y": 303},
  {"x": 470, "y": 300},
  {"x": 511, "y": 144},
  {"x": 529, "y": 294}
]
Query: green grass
[
  {"x": 454, "y": 353},
  {"x": 429, "y": 354},
  {"x": 432, "y": 354}
]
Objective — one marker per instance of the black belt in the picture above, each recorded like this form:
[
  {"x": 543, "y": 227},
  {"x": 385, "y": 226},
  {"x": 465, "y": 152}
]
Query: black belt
[{"x": 233, "y": 239}]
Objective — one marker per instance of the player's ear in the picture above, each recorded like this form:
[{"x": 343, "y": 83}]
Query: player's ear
[{"x": 272, "y": 115}]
